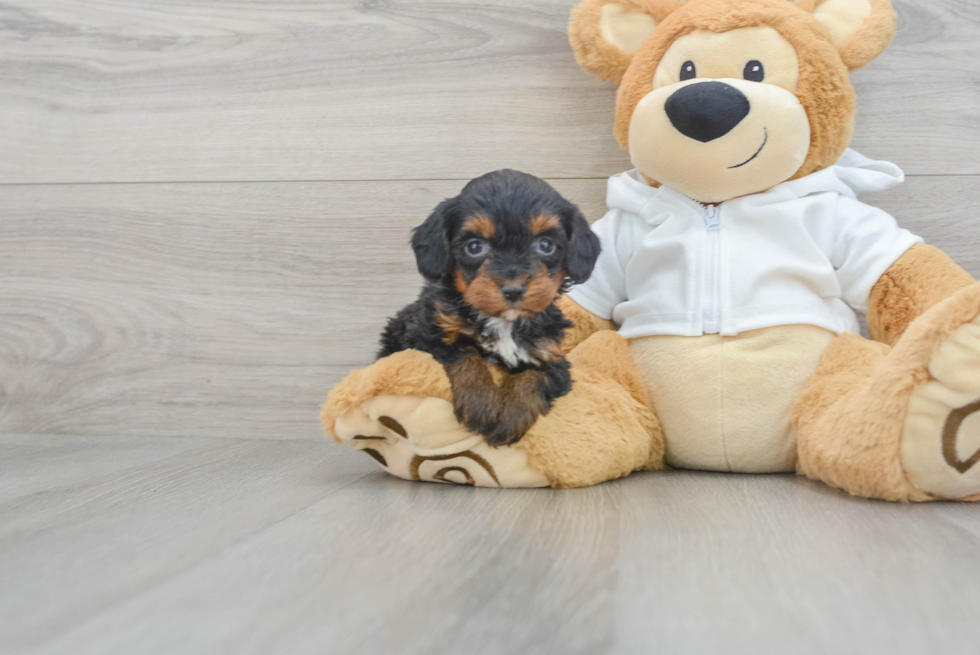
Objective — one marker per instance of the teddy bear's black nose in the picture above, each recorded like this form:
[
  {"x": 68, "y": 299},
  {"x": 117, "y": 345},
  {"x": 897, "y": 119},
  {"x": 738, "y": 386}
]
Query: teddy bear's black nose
[{"x": 706, "y": 110}]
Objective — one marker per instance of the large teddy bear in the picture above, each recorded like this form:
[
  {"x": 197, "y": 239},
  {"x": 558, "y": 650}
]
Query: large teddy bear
[{"x": 718, "y": 331}]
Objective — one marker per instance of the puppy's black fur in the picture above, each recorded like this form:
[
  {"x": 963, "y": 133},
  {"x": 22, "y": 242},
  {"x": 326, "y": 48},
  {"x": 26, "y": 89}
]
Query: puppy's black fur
[{"x": 494, "y": 259}]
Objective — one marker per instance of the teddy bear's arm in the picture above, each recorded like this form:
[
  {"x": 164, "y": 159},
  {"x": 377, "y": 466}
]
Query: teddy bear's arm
[
  {"x": 585, "y": 323},
  {"x": 919, "y": 279}
]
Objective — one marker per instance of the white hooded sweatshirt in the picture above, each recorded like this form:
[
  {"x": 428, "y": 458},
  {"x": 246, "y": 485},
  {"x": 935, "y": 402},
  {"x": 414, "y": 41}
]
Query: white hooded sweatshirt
[{"x": 804, "y": 252}]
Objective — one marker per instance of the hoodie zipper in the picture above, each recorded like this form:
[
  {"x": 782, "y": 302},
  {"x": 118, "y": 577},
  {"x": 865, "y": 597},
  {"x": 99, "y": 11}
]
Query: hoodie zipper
[{"x": 712, "y": 276}]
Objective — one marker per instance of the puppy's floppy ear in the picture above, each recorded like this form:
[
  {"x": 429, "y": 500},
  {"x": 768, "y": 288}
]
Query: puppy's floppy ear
[
  {"x": 430, "y": 241},
  {"x": 583, "y": 245},
  {"x": 861, "y": 29},
  {"x": 605, "y": 33}
]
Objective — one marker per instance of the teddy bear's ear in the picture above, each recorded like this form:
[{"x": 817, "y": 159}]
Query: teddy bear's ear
[
  {"x": 862, "y": 29},
  {"x": 605, "y": 33}
]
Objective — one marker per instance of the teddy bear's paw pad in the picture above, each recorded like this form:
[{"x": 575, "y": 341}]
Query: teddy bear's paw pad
[
  {"x": 941, "y": 442},
  {"x": 418, "y": 438},
  {"x": 957, "y": 364}
]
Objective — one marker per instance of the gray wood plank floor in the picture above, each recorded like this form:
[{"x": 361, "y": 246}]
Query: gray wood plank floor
[
  {"x": 204, "y": 209},
  {"x": 192, "y": 545}
]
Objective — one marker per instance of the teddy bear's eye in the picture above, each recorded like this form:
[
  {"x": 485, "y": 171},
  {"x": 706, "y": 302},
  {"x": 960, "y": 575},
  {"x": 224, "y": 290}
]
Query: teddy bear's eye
[
  {"x": 754, "y": 72},
  {"x": 688, "y": 71}
]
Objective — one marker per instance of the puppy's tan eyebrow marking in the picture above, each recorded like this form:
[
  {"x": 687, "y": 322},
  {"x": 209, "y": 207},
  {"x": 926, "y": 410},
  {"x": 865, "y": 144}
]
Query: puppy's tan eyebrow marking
[
  {"x": 481, "y": 225},
  {"x": 543, "y": 223}
]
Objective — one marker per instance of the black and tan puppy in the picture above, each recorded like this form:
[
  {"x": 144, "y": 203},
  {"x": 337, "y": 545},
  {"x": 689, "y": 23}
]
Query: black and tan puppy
[{"x": 495, "y": 258}]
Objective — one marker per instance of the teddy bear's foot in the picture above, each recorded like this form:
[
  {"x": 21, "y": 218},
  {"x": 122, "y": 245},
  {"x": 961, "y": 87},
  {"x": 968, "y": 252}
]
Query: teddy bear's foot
[
  {"x": 416, "y": 436},
  {"x": 899, "y": 423},
  {"x": 941, "y": 441}
]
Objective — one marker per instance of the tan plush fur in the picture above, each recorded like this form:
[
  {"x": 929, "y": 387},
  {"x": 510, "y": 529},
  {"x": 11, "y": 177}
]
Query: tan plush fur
[
  {"x": 851, "y": 417},
  {"x": 871, "y": 39},
  {"x": 742, "y": 389},
  {"x": 824, "y": 88},
  {"x": 593, "y": 53},
  {"x": 585, "y": 323},
  {"x": 922, "y": 277},
  {"x": 604, "y": 429},
  {"x": 408, "y": 373},
  {"x": 840, "y": 442}
]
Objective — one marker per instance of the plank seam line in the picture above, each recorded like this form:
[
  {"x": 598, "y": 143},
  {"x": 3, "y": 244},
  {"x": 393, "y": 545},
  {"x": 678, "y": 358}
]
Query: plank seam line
[{"x": 347, "y": 181}]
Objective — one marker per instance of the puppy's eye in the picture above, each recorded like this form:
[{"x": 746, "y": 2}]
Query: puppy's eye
[
  {"x": 545, "y": 246},
  {"x": 754, "y": 72},
  {"x": 688, "y": 71},
  {"x": 476, "y": 248}
]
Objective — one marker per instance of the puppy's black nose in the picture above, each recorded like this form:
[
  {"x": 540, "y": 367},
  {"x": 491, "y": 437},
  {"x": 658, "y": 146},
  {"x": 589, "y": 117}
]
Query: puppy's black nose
[
  {"x": 706, "y": 110},
  {"x": 513, "y": 292}
]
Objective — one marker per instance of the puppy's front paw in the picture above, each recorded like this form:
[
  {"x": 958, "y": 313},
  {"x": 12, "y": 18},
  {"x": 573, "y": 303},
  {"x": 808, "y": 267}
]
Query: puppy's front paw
[
  {"x": 501, "y": 438},
  {"x": 513, "y": 422}
]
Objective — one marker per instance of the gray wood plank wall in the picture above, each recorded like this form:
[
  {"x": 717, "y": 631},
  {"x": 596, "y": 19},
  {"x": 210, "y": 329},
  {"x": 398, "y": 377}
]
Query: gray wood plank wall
[{"x": 204, "y": 207}]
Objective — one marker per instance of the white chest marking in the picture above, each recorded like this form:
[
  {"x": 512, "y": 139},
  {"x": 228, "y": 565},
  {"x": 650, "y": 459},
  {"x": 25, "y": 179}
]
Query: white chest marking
[{"x": 501, "y": 335}]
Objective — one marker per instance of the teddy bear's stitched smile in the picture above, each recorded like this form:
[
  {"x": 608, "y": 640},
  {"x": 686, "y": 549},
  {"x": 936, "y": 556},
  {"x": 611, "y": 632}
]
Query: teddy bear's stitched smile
[{"x": 765, "y": 140}]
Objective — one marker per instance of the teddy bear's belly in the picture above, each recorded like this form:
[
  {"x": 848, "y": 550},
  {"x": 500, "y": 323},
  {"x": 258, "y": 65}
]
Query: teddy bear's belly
[{"x": 725, "y": 403}]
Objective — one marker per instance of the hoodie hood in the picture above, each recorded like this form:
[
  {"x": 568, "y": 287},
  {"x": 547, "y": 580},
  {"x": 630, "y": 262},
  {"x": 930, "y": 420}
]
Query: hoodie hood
[{"x": 852, "y": 174}]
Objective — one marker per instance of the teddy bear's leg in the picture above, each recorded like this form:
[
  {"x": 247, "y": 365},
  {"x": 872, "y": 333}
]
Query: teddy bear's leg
[
  {"x": 605, "y": 427},
  {"x": 901, "y": 423},
  {"x": 399, "y": 411},
  {"x": 584, "y": 323}
]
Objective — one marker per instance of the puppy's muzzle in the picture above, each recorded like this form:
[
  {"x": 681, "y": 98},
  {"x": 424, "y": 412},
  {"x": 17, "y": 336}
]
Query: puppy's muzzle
[{"x": 706, "y": 111}]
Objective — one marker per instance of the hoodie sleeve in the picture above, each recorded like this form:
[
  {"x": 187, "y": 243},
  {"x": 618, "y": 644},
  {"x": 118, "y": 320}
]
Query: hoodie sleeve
[
  {"x": 868, "y": 241},
  {"x": 606, "y": 288}
]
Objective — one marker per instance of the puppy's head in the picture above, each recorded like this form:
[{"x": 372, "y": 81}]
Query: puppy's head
[{"x": 509, "y": 243}]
